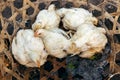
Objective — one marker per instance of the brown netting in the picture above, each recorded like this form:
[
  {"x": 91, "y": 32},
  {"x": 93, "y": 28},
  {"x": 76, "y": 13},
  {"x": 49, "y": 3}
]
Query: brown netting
[{"x": 17, "y": 14}]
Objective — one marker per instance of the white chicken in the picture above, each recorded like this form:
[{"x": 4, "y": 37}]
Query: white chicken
[
  {"x": 47, "y": 19},
  {"x": 56, "y": 42},
  {"x": 28, "y": 50},
  {"x": 74, "y": 17},
  {"x": 88, "y": 40}
]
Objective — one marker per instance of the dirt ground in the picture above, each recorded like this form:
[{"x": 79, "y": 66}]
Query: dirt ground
[{"x": 20, "y": 14}]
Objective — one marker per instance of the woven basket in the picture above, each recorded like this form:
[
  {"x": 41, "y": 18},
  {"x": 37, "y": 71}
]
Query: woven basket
[{"x": 17, "y": 14}]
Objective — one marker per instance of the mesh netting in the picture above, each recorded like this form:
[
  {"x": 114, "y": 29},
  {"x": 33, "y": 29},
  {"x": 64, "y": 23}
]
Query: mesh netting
[{"x": 20, "y": 14}]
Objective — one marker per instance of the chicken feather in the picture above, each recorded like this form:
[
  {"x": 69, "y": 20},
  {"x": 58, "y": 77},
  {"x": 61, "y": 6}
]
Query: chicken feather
[
  {"x": 46, "y": 19},
  {"x": 74, "y": 17},
  {"x": 88, "y": 39},
  {"x": 56, "y": 43},
  {"x": 28, "y": 50}
]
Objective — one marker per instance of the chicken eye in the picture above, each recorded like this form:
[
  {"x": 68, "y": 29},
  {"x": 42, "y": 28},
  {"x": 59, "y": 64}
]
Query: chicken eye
[
  {"x": 65, "y": 51},
  {"x": 39, "y": 33},
  {"x": 80, "y": 53}
]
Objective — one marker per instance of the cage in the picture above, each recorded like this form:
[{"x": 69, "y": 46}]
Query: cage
[{"x": 20, "y": 14}]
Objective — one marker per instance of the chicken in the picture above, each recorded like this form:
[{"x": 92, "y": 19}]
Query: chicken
[
  {"x": 74, "y": 17},
  {"x": 47, "y": 19},
  {"x": 28, "y": 50},
  {"x": 88, "y": 40},
  {"x": 56, "y": 42}
]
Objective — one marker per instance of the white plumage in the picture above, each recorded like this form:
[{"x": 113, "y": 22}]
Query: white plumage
[
  {"x": 74, "y": 17},
  {"x": 31, "y": 47},
  {"x": 46, "y": 19},
  {"x": 56, "y": 42},
  {"x": 28, "y": 50},
  {"x": 88, "y": 39}
]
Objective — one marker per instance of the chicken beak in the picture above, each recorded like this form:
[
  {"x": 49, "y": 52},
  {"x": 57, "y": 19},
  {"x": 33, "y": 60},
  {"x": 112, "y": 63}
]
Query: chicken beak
[
  {"x": 95, "y": 21},
  {"x": 38, "y": 63},
  {"x": 36, "y": 34},
  {"x": 36, "y": 28}
]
